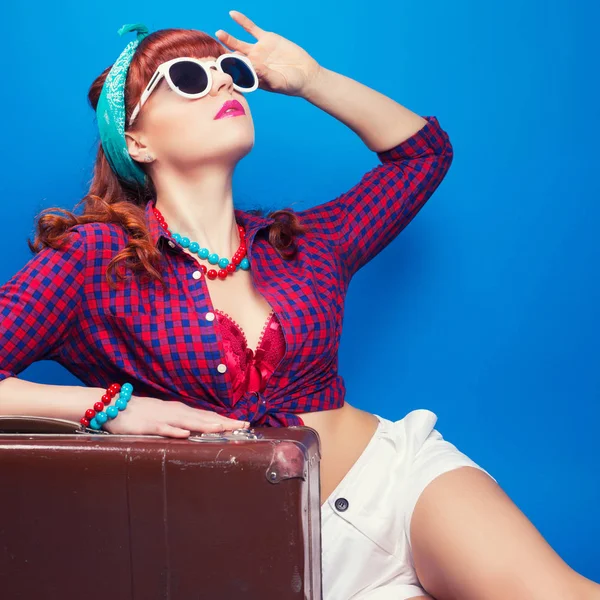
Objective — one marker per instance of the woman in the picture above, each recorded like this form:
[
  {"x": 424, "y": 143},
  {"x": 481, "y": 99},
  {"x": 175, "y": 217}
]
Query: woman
[{"x": 255, "y": 342}]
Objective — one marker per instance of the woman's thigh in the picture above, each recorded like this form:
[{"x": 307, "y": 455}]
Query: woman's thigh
[{"x": 366, "y": 520}]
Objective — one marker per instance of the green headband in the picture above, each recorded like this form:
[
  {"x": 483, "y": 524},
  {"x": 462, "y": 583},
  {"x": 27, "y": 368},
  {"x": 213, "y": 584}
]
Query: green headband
[{"x": 110, "y": 112}]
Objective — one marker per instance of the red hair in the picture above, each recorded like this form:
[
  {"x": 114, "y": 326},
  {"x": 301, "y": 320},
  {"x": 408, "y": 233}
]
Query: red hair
[{"x": 110, "y": 199}]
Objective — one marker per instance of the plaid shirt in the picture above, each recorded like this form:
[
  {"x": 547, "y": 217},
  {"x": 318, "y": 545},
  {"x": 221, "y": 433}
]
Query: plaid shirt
[{"x": 166, "y": 343}]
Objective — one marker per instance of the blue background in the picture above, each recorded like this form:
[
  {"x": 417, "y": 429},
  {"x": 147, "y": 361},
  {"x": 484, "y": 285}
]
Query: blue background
[{"x": 485, "y": 309}]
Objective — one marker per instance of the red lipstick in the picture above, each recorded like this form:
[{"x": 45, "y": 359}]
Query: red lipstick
[{"x": 231, "y": 108}]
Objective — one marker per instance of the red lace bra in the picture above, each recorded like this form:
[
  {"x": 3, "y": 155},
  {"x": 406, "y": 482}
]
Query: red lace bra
[{"x": 249, "y": 370}]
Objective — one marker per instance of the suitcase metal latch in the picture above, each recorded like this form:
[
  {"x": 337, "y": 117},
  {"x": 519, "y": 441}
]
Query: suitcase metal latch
[{"x": 235, "y": 434}]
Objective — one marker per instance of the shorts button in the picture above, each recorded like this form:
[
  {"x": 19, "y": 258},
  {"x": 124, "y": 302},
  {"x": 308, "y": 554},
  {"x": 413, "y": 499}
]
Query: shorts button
[{"x": 342, "y": 504}]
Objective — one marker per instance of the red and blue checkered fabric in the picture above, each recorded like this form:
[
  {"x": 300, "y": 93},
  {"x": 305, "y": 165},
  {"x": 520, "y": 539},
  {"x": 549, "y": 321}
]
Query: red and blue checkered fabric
[{"x": 166, "y": 343}]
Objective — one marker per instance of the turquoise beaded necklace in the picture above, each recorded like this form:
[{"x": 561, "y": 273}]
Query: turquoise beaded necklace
[{"x": 227, "y": 267}]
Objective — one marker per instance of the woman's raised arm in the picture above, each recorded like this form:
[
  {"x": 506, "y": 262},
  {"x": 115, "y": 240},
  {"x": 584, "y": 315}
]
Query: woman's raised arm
[{"x": 415, "y": 153}]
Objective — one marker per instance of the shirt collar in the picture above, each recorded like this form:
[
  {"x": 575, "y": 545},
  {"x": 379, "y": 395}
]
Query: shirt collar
[{"x": 251, "y": 223}]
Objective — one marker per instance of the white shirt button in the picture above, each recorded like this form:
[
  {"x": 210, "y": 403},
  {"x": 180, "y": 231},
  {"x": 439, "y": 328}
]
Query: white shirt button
[
  {"x": 172, "y": 244},
  {"x": 222, "y": 368},
  {"x": 196, "y": 274},
  {"x": 210, "y": 316}
]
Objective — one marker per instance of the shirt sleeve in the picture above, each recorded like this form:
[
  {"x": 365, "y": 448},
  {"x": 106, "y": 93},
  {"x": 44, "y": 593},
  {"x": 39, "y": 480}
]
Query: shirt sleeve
[
  {"x": 361, "y": 222},
  {"x": 38, "y": 303}
]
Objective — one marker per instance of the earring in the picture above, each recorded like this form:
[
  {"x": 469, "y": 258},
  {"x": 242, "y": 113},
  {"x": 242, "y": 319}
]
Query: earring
[{"x": 148, "y": 158}]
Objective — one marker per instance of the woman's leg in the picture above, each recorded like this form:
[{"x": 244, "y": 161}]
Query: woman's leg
[{"x": 471, "y": 542}]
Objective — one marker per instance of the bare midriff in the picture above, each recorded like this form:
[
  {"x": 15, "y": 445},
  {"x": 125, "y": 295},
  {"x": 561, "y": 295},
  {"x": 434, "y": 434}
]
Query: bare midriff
[{"x": 344, "y": 434}]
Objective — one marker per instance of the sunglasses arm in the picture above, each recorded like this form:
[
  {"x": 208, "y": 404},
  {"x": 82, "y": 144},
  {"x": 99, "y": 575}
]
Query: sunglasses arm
[{"x": 146, "y": 93}]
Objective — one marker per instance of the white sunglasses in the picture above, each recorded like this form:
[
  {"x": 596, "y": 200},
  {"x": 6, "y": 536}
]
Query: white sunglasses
[{"x": 192, "y": 77}]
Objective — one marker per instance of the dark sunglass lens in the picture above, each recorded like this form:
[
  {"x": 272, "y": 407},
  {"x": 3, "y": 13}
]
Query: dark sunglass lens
[
  {"x": 188, "y": 76},
  {"x": 240, "y": 72}
]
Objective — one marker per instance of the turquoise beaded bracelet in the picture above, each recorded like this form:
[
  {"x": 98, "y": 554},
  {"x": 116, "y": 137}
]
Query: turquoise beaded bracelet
[{"x": 112, "y": 411}]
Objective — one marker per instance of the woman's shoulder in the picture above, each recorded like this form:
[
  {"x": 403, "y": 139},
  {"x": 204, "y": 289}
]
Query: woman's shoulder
[{"x": 100, "y": 235}]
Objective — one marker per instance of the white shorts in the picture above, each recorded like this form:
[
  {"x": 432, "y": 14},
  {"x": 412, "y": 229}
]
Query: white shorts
[{"x": 366, "y": 520}]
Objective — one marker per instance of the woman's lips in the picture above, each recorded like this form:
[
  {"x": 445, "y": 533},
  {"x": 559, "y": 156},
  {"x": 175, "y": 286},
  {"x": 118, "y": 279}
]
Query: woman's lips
[
  {"x": 232, "y": 113},
  {"x": 231, "y": 108}
]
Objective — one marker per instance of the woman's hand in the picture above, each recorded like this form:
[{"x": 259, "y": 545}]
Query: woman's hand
[
  {"x": 281, "y": 65},
  {"x": 170, "y": 418}
]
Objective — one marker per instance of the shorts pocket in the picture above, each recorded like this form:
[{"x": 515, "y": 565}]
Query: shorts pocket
[
  {"x": 374, "y": 527},
  {"x": 354, "y": 559},
  {"x": 369, "y": 502}
]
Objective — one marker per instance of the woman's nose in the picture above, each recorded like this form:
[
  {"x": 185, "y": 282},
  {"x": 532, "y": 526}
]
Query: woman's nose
[{"x": 220, "y": 79}]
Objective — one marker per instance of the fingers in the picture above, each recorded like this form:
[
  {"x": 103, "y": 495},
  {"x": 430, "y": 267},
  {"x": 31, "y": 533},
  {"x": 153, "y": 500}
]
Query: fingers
[
  {"x": 171, "y": 419},
  {"x": 232, "y": 42},
  {"x": 222, "y": 426},
  {"x": 246, "y": 23},
  {"x": 202, "y": 420},
  {"x": 170, "y": 431},
  {"x": 226, "y": 423}
]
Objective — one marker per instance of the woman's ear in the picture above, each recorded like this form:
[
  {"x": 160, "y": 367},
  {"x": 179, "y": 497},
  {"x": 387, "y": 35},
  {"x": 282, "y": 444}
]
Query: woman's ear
[{"x": 136, "y": 148}]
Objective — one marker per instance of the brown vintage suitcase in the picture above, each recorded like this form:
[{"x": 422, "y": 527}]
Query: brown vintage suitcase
[{"x": 119, "y": 517}]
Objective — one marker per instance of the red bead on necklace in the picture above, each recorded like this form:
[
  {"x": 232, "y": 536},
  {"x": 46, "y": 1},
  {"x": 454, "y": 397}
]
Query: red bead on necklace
[{"x": 238, "y": 260}]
